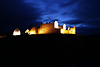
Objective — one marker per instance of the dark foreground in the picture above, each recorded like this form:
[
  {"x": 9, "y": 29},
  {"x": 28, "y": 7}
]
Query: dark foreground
[{"x": 53, "y": 50}]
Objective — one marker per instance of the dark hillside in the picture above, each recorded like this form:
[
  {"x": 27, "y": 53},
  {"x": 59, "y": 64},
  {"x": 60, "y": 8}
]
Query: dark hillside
[{"x": 49, "y": 50}]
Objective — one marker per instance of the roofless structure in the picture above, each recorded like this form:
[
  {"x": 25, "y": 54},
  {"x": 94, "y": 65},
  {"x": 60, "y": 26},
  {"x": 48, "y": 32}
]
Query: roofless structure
[
  {"x": 16, "y": 32},
  {"x": 50, "y": 28}
]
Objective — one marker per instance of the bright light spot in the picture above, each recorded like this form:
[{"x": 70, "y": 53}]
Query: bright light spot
[
  {"x": 27, "y": 31},
  {"x": 61, "y": 30},
  {"x": 32, "y": 32},
  {"x": 55, "y": 24},
  {"x": 16, "y": 32},
  {"x": 72, "y": 30},
  {"x": 64, "y": 26}
]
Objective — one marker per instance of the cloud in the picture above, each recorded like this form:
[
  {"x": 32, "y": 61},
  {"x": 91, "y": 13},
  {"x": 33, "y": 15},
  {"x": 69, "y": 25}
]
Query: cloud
[
  {"x": 17, "y": 14},
  {"x": 81, "y": 13},
  {"x": 68, "y": 3},
  {"x": 78, "y": 21}
]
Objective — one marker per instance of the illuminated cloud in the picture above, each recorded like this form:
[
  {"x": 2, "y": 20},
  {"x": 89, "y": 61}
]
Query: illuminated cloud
[
  {"x": 52, "y": 9},
  {"x": 23, "y": 13}
]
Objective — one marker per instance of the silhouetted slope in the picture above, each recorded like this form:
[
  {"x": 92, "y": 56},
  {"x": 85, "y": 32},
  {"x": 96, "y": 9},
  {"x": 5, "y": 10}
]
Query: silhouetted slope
[{"x": 51, "y": 50}]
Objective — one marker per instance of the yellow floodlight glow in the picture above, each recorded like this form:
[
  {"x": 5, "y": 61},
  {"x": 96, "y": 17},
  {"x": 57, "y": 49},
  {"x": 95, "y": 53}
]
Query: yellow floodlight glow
[
  {"x": 62, "y": 31},
  {"x": 41, "y": 32},
  {"x": 72, "y": 30},
  {"x": 32, "y": 32},
  {"x": 27, "y": 31}
]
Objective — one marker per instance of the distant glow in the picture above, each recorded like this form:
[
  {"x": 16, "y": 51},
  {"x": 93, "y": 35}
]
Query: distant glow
[
  {"x": 55, "y": 24},
  {"x": 63, "y": 31},
  {"x": 69, "y": 31},
  {"x": 32, "y": 32},
  {"x": 68, "y": 28},
  {"x": 64, "y": 26},
  {"x": 41, "y": 32},
  {"x": 72, "y": 30},
  {"x": 16, "y": 32},
  {"x": 27, "y": 31},
  {"x": 0, "y": 36}
]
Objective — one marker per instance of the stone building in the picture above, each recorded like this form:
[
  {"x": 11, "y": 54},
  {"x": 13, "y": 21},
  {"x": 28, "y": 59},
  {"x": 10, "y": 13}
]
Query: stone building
[
  {"x": 48, "y": 28},
  {"x": 16, "y": 32},
  {"x": 51, "y": 28}
]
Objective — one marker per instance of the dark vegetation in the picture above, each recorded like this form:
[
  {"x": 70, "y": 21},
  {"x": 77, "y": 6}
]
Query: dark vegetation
[{"x": 52, "y": 50}]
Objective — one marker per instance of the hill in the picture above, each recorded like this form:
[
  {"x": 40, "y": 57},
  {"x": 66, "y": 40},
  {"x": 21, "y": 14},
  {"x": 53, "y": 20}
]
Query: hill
[{"x": 51, "y": 50}]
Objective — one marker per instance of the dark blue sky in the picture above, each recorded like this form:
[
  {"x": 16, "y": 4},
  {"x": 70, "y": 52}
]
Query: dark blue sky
[{"x": 84, "y": 14}]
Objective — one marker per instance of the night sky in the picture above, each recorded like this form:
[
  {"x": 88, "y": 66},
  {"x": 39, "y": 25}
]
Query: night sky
[{"x": 84, "y": 14}]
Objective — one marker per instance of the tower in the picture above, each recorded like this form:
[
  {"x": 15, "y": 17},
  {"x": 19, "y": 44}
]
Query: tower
[
  {"x": 64, "y": 26},
  {"x": 55, "y": 24}
]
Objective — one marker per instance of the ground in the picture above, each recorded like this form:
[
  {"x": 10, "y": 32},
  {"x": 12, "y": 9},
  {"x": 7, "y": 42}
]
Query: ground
[{"x": 52, "y": 50}]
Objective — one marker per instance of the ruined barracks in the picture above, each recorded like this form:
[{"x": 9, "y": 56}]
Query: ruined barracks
[{"x": 51, "y": 28}]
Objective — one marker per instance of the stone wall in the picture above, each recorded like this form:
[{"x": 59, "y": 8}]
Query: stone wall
[
  {"x": 33, "y": 30},
  {"x": 47, "y": 28}
]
